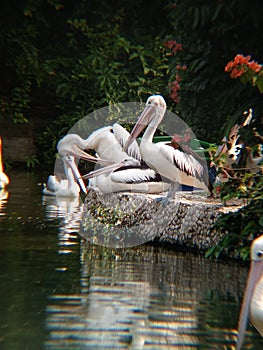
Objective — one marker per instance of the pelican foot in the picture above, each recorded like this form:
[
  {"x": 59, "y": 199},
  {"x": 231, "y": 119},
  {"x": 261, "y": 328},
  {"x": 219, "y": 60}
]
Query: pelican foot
[{"x": 163, "y": 200}]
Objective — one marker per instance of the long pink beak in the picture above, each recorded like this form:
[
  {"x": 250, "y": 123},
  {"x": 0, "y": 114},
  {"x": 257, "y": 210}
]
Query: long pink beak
[
  {"x": 79, "y": 153},
  {"x": 69, "y": 160},
  {"x": 255, "y": 273},
  {"x": 143, "y": 121}
]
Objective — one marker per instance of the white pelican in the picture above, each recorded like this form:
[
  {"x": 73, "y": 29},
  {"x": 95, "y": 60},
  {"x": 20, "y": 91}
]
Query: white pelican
[
  {"x": 253, "y": 298},
  {"x": 128, "y": 175},
  {"x": 66, "y": 187},
  {"x": 4, "y": 180},
  {"x": 108, "y": 143},
  {"x": 178, "y": 166}
]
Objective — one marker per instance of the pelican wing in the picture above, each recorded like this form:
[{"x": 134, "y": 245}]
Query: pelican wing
[
  {"x": 131, "y": 175},
  {"x": 183, "y": 161},
  {"x": 122, "y": 136}
]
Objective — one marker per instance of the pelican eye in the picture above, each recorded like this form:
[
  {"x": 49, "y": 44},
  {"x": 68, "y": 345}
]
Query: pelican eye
[{"x": 259, "y": 254}]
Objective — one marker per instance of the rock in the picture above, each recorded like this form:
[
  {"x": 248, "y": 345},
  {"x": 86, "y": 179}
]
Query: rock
[{"x": 129, "y": 219}]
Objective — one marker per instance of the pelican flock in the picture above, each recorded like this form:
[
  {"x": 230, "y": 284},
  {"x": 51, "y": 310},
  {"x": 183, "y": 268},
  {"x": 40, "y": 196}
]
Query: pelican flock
[
  {"x": 174, "y": 164},
  {"x": 252, "y": 305},
  {"x": 4, "y": 180},
  {"x": 150, "y": 168},
  {"x": 108, "y": 142}
]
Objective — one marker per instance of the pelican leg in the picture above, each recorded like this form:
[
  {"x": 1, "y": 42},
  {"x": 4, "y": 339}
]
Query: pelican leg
[{"x": 175, "y": 187}]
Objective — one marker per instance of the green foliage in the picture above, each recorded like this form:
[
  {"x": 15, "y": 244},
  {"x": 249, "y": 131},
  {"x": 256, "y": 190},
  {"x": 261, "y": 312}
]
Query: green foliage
[
  {"x": 212, "y": 33},
  {"x": 246, "y": 185},
  {"x": 239, "y": 228},
  {"x": 70, "y": 59},
  {"x": 31, "y": 162}
]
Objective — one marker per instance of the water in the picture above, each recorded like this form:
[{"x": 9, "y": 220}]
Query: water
[{"x": 60, "y": 292}]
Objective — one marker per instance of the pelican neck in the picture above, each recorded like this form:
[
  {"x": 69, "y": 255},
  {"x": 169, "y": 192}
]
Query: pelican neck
[{"x": 149, "y": 133}]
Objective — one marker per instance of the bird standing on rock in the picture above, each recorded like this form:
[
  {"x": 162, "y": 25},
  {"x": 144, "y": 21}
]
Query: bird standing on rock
[{"x": 180, "y": 166}]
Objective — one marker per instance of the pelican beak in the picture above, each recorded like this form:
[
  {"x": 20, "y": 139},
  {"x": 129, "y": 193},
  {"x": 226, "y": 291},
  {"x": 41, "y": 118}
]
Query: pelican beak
[
  {"x": 69, "y": 160},
  {"x": 105, "y": 170},
  {"x": 79, "y": 153},
  {"x": 143, "y": 121},
  {"x": 255, "y": 273}
]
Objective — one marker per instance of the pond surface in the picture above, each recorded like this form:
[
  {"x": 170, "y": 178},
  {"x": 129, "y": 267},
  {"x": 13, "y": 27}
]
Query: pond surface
[{"x": 60, "y": 292}]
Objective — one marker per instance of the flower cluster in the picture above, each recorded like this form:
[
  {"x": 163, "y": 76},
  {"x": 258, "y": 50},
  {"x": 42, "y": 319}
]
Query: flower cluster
[
  {"x": 240, "y": 65},
  {"x": 175, "y": 87},
  {"x": 186, "y": 138},
  {"x": 173, "y": 46},
  {"x": 179, "y": 68}
]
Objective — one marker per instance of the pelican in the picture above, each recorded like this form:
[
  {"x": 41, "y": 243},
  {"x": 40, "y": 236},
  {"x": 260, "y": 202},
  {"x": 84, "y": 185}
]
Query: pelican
[
  {"x": 253, "y": 298},
  {"x": 178, "y": 166},
  {"x": 66, "y": 187},
  {"x": 236, "y": 151},
  {"x": 4, "y": 180},
  {"x": 71, "y": 186},
  {"x": 108, "y": 143},
  {"x": 128, "y": 175}
]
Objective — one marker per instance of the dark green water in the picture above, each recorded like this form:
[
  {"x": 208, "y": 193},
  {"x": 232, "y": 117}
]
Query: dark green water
[{"x": 59, "y": 292}]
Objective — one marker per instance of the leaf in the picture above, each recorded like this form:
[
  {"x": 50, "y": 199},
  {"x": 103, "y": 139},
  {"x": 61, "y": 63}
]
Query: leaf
[{"x": 196, "y": 17}]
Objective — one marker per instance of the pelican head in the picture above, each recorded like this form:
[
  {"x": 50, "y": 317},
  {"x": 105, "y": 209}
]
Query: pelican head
[
  {"x": 151, "y": 116},
  {"x": 73, "y": 145},
  {"x": 251, "y": 305}
]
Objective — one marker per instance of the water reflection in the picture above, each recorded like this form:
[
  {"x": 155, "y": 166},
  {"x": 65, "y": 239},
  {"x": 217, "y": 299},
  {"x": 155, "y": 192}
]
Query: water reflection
[
  {"x": 144, "y": 297},
  {"x": 148, "y": 298},
  {"x": 60, "y": 292},
  {"x": 70, "y": 211}
]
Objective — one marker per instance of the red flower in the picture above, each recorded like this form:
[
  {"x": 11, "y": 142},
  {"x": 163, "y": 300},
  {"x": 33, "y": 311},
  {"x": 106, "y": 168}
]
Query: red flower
[
  {"x": 177, "y": 47},
  {"x": 179, "y": 67},
  {"x": 177, "y": 77},
  {"x": 185, "y": 139},
  {"x": 175, "y": 87},
  {"x": 170, "y": 44},
  {"x": 173, "y": 46}
]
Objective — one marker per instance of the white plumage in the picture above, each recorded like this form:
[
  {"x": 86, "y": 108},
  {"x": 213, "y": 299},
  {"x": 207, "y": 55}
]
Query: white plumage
[
  {"x": 178, "y": 166},
  {"x": 252, "y": 305}
]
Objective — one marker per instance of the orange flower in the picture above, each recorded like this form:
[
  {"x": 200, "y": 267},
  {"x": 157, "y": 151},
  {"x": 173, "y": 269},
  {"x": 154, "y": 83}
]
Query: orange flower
[
  {"x": 229, "y": 66},
  {"x": 255, "y": 66},
  {"x": 240, "y": 59},
  {"x": 240, "y": 65},
  {"x": 237, "y": 72}
]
